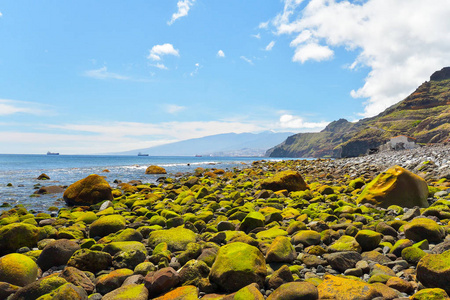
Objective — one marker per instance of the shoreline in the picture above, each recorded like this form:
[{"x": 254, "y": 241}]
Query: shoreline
[{"x": 183, "y": 227}]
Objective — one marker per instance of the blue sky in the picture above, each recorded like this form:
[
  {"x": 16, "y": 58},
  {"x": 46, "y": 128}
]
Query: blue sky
[{"x": 108, "y": 76}]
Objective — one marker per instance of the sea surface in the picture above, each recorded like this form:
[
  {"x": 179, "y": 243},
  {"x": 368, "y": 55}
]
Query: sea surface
[{"x": 22, "y": 170}]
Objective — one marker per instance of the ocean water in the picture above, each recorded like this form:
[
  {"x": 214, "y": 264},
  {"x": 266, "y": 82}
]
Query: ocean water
[{"x": 22, "y": 170}]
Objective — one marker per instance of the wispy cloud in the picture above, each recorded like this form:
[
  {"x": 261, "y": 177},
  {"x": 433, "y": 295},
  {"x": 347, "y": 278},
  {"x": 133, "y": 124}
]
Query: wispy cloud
[
  {"x": 248, "y": 60},
  {"x": 401, "y": 44},
  {"x": 10, "y": 107},
  {"x": 263, "y": 25},
  {"x": 1, "y": 15},
  {"x": 160, "y": 66},
  {"x": 183, "y": 9},
  {"x": 158, "y": 51},
  {"x": 220, "y": 53},
  {"x": 270, "y": 46},
  {"x": 103, "y": 73},
  {"x": 195, "y": 72},
  {"x": 173, "y": 108},
  {"x": 256, "y": 36}
]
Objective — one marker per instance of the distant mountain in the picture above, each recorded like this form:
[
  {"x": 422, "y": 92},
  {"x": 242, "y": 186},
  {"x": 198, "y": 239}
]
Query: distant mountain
[
  {"x": 227, "y": 144},
  {"x": 423, "y": 115}
]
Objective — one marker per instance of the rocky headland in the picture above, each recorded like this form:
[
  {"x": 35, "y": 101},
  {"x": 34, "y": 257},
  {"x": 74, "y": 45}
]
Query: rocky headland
[{"x": 372, "y": 227}]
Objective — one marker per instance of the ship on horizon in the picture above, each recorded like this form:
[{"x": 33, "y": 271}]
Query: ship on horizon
[
  {"x": 142, "y": 154},
  {"x": 52, "y": 153}
]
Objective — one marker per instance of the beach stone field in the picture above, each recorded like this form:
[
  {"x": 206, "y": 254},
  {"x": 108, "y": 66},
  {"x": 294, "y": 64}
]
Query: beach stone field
[{"x": 372, "y": 227}]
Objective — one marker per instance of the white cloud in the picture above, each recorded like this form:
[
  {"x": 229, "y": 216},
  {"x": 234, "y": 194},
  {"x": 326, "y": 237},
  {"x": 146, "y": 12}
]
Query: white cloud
[
  {"x": 220, "y": 53},
  {"x": 10, "y": 107},
  {"x": 173, "y": 108},
  {"x": 103, "y": 73},
  {"x": 160, "y": 66},
  {"x": 183, "y": 9},
  {"x": 263, "y": 25},
  {"x": 270, "y": 46},
  {"x": 312, "y": 51},
  {"x": 247, "y": 59},
  {"x": 256, "y": 36},
  {"x": 160, "y": 50},
  {"x": 1, "y": 15},
  {"x": 294, "y": 122},
  {"x": 401, "y": 44}
]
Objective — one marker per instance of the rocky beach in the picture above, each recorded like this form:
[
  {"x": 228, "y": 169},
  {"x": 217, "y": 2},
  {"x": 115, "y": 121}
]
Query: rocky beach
[{"x": 370, "y": 227}]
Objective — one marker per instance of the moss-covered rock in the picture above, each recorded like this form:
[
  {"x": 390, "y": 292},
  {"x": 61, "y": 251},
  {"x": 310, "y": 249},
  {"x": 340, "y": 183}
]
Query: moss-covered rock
[
  {"x": 281, "y": 250},
  {"x": 368, "y": 239},
  {"x": 285, "y": 180},
  {"x": 111, "y": 281},
  {"x": 90, "y": 260},
  {"x": 249, "y": 292},
  {"x": 155, "y": 170},
  {"x": 295, "y": 291},
  {"x": 251, "y": 221},
  {"x": 433, "y": 271},
  {"x": 395, "y": 186},
  {"x": 345, "y": 243},
  {"x": 177, "y": 239},
  {"x": 39, "y": 288},
  {"x": 17, "y": 235},
  {"x": 126, "y": 292},
  {"x": 306, "y": 237},
  {"x": 57, "y": 253},
  {"x": 430, "y": 294},
  {"x": 340, "y": 288},
  {"x": 107, "y": 225},
  {"x": 66, "y": 291},
  {"x": 18, "y": 269},
  {"x": 237, "y": 265},
  {"x": 413, "y": 254},
  {"x": 90, "y": 190},
  {"x": 188, "y": 292},
  {"x": 424, "y": 228}
]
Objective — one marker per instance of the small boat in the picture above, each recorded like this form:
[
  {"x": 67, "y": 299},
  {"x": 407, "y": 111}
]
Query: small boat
[
  {"x": 142, "y": 154},
  {"x": 198, "y": 155},
  {"x": 52, "y": 153}
]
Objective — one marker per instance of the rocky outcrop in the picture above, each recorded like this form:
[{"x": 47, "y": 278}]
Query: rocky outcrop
[{"x": 88, "y": 191}]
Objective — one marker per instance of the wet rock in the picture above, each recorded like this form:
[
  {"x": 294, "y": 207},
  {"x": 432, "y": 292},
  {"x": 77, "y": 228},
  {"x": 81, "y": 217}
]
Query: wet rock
[
  {"x": 90, "y": 190},
  {"x": 155, "y": 170},
  {"x": 52, "y": 189},
  {"x": 43, "y": 176}
]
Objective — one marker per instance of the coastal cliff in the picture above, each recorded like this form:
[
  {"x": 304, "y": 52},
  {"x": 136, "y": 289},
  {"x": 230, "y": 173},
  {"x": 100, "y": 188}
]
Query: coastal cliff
[{"x": 424, "y": 115}]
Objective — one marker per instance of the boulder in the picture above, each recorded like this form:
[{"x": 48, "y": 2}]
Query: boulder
[
  {"x": 424, "y": 228},
  {"x": 177, "y": 239},
  {"x": 285, "y": 180},
  {"x": 111, "y": 281},
  {"x": 38, "y": 288},
  {"x": 6, "y": 289},
  {"x": 90, "y": 190},
  {"x": 430, "y": 294},
  {"x": 18, "y": 269},
  {"x": 281, "y": 250},
  {"x": 17, "y": 235},
  {"x": 52, "y": 189},
  {"x": 249, "y": 292},
  {"x": 368, "y": 239},
  {"x": 90, "y": 260},
  {"x": 253, "y": 220},
  {"x": 237, "y": 265},
  {"x": 281, "y": 276},
  {"x": 43, "y": 176},
  {"x": 339, "y": 288},
  {"x": 78, "y": 278},
  {"x": 433, "y": 271},
  {"x": 56, "y": 253},
  {"x": 345, "y": 243},
  {"x": 295, "y": 291},
  {"x": 395, "y": 186},
  {"x": 188, "y": 292},
  {"x": 66, "y": 291},
  {"x": 342, "y": 261},
  {"x": 107, "y": 225},
  {"x": 155, "y": 170},
  {"x": 161, "y": 281},
  {"x": 132, "y": 291},
  {"x": 306, "y": 237}
]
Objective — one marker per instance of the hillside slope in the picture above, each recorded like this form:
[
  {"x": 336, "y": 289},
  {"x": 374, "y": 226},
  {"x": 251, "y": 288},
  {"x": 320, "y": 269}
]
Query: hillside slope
[{"x": 423, "y": 115}]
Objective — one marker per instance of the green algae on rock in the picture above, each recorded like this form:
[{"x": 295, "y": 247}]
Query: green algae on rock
[
  {"x": 424, "y": 228},
  {"x": 176, "y": 238},
  {"x": 90, "y": 190},
  {"x": 237, "y": 265},
  {"x": 281, "y": 250},
  {"x": 395, "y": 186},
  {"x": 285, "y": 180},
  {"x": 107, "y": 225},
  {"x": 18, "y": 269},
  {"x": 433, "y": 271},
  {"x": 132, "y": 291},
  {"x": 17, "y": 235},
  {"x": 155, "y": 170},
  {"x": 295, "y": 291}
]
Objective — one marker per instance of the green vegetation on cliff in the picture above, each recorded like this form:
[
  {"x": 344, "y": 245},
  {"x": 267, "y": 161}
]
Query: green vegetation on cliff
[{"x": 424, "y": 115}]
